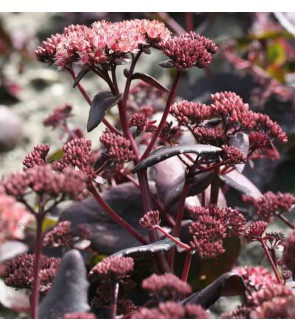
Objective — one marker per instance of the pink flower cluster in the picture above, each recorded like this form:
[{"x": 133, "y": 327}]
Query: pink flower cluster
[
  {"x": 188, "y": 50},
  {"x": 255, "y": 231},
  {"x": 256, "y": 277},
  {"x": 37, "y": 157},
  {"x": 232, "y": 155},
  {"x": 150, "y": 220},
  {"x": 60, "y": 236},
  {"x": 44, "y": 180},
  {"x": 19, "y": 272},
  {"x": 166, "y": 286},
  {"x": 171, "y": 310},
  {"x": 104, "y": 42},
  {"x": 230, "y": 218},
  {"x": 271, "y": 204},
  {"x": 227, "y": 114},
  {"x": 59, "y": 116},
  {"x": 113, "y": 267},
  {"x": 13, "y": 218},
  {"x": 211, "y": 226},
  {"x": 118, "y": 147},
  {"x": 78, "y": 154}
]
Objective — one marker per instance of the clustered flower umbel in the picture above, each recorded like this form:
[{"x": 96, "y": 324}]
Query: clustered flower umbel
[
  {"x": 44, "y": 180},
  {"x": 271, "y": 204},
  {"x": 114, "y": 268},
  {"x": 104, "y": 42},
  {"x": 255, "y": 231},
  {"x": 189, "y": 50},
  {"x": 78, "y": 154},
  {"x": 166, "y": 286},
  {"x": 118, "y": 147},
  {"x": 272, "y": 302},
  {"x": 211, "y": 226},
  {"x": 37, "y": 157},
  {"x": 150, "y": 220},
  {"x": 226, "y": 115},
  {"x": 171, "y": 310},
  {"x": 58, "y": 116},
  {"x": 19, "y": 272},
  {"x": 13, "y": 218},
  {"x": 256, "y": 277},
  {"x": 60, "y": 236}
]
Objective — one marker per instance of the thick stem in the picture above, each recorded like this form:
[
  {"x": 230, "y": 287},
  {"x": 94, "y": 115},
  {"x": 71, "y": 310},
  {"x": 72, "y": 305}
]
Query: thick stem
[
  {"x": 189, "y": 22},
  {"x": 187, "y": 265},
  {"x": 285, "y": 220},
  {"x": 164, "y": 116},
  {"x": 215, "y": 184},
  {"x": 148, "y": 206},
  {"x": 114, "y": 215},
  {"x": 178, "y": 220},
  {"x": 271, "y": 261},
  {"x": 115, "y": 300},
  {"x": 174, "y": 239},
  {"x": 37, "y": 264}
]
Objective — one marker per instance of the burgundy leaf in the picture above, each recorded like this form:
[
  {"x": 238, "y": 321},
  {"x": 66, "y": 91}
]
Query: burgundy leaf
[
  {"x": 241, "y": 183},
  {"x": 150, "y": 80},
  {"x": 101, "y": 103},
  {"x": 85, "y": 69},
  {"x": 228, "y": 284},
  {"x": 167, "y": 152},
  {"x": 241, "y": 141}
]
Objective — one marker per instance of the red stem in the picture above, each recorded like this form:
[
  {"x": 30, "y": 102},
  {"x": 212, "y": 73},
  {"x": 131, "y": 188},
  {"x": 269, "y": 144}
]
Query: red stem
[
  {"x": 215, "y": 184},
  {"x": 271, "y": 262},
  {"x": 37, "y": 264},
  {"x": 114, "y": 215},
  {"x": 187, "y": 265},
  {"x": 115, "y": 300},
  {"x": 285, "y": 220},
  {"x": 189, "y": 22},
  {"x": 174, "y": 239},
  {"x": 164, "y": 116}
]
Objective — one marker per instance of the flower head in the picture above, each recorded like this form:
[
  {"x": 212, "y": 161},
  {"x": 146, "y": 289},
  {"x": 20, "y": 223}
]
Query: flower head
[
  {"x": 47, "y": 50},
  {"x": 113, "y": 267},
  {"x": 256, "y": 277},
  {"x": 37, "y": 157},
  {"x": 44, "y": 180},
  {"x": 58, "y": 117},
  {"x": 271, "y": 204},
  {"x": 19, "y": 272},
  {"x": 78, "y": 154},
  {"x": 255, "y": 231},
  {"x": 171, "y": 310},
  {"x": 59, "y": 236},
  {"x": 166, "y": 286},
  {"x": 232, "y": 155},
  {"x": 150, "y": 220},
  {"x": 189, "y": 50},
  {"x": 118, "y": 147},
  {"x": 13, "y": 218}
]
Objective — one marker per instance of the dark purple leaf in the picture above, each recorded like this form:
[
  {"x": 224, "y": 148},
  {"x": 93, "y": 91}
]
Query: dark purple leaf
[
  {"x": 85, "y": 69},
  {"x": 69, "y": 290},
  {"x": 167, "y": 64},
  {"x": 161, "y": 245},
  {"x": 101, "y": 103},
  {"x": 167, "y": 152},
  {"x": 228, "y": 284},
  {"x": 241, "y": 141},
  {"x": 169, "y": 176},
  {"x": 241, "y": 183},
  {"x": 150, "y": 80}
]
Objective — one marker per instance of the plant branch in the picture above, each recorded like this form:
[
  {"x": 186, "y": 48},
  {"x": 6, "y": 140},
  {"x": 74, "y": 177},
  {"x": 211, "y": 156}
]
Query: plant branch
[
  {"x": 164, "y": 116},
  {"x": 187, "y": 265},
  {"x": 271, "y": 261},
  {"x": 285, "y": 220},
  {"x": 114, "y": 215}
]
